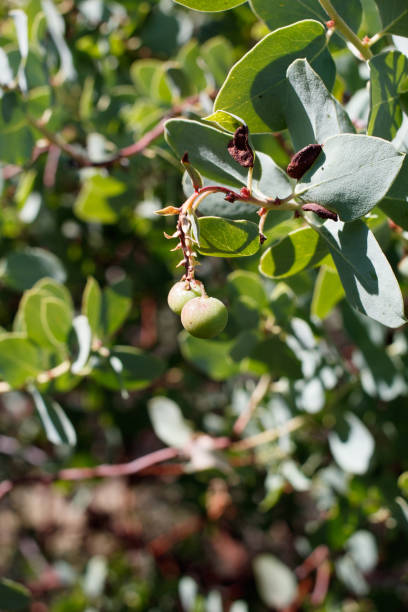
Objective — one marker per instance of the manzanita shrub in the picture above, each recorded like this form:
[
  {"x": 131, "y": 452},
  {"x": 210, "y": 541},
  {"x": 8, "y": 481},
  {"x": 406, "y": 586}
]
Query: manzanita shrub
[{"x": 267, "y": 141}]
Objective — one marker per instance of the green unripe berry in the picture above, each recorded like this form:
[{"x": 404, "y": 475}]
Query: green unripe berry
[
  {"x": 204, "y": 317},
  {"x": 180, "y": 294}
]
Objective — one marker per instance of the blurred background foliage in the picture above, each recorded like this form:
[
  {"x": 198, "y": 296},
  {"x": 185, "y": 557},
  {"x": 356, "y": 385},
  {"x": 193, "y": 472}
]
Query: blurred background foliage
[{"x": 315, "y": 520}]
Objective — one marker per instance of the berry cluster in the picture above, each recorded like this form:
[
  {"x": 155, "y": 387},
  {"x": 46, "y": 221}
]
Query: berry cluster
[{"x": 201, "y": 316}]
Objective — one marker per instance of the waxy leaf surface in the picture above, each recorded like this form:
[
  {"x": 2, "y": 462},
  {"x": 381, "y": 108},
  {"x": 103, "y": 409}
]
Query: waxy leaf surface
[
  {"x": 394, "y": 16},
  {"x": 19, "y": 359},
  {"x": 279, "y": 13},
  {"x": 299, "y": 250},
  {"x": 312, "y": 113},
  {"x": 351, "y": 175},
  {"x": 58, "y": 428},
  {"x": 388, "y": 73},
  {"x": 227, "y": 238},
  {"x": 256, "y": 86},
  {"x": 328, "y": 291},
  {"x": 367, "y": 277}
]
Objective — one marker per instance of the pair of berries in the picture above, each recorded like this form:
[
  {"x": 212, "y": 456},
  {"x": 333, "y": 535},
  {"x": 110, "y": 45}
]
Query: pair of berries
[{"x": 201, "y": 316}]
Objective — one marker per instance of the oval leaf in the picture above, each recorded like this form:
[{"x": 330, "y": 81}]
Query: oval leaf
[
  {"x": 351, "y": 175},
  {"x": 116, "y": 304},
  {"x": 56, "y": 318},
  {"x": 352, "y": 445},
  {"x": 98, "y": 200},
  {"x": 57, "y": 426},
  {"x": 255, "y": 88},
  {"x": 394, "y": 16},
  {"x": 227, "y": 238},
  {"x": 328, "y": 291},
  {"x": 19, "y": 360},
  {"x": 209, "y": 356},
  {"x": 299, "y": 250},
  {"x": 367, "y": 277},
  {"x": 92, "y": 304},
  {"x": 211, "y": 157},
  {"x": 84, "y": 338},
  {"x": 279, "y": 13},
  {"x": 21, "y": 270},
  {"x": 168, "y": 422},
  {"x": 276, "y": 583},
  {"x": 387, "y": 72},
  {"x": 312, "y": 113}
]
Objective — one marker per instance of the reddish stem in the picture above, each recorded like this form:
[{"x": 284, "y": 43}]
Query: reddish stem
[
  {"x": 99, "y": 471},
  {"x": 51, "y": 166}
]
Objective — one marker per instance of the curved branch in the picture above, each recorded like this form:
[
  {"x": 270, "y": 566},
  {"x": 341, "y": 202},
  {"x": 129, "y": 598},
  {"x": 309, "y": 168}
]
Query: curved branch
[{"x": 99, "y": 471}]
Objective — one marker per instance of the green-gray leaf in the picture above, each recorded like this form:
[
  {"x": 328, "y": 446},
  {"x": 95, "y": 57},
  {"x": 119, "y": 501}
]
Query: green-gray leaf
[
  {"x": 395, "y": 203},
  {"x": 58, "y": 428},
  {"x": 168, "y": 422},
  {"x": 351, "y": 175},
  {"x": 218, "y": 54},
  {"x": 22, "y": 269},
  {"x": 226, "y": 238},
  {"x": 382, "y": 375},
  {"x": 189, "y": 57},
  {"x": 397, "y": 210},
  {"x": 83, "y": 334},
  {"x": 116, "y": 304},
  {"x": 312, "y": 113},
  {"x": 243, "y": 283},
  {"x": 209, "y": 356},
  {"x": 367, "y": 277},
  {"x": 387, "y": 73},
  {"x": 33, "y": 323},
  {"x": 207, "y": 151},
  {"x": 19, "y": 360},
  {"x": 279, "y": 13},
  {"x": 215, "y": 205},
  {"x": 275, "y": 582},
  {"x": 394, "y": 16},
  {"x": 138, "y": 369},
  {"x": 272, "y": 356},
  {"x": 56, "y": 318},
  {"x": 31, "y": 316},
  {"x": 256, "y": 89},
  {"x": 353, "y": 446},
  {"x": 213, "y": 161},
  {"x": 299, "y": 250}
]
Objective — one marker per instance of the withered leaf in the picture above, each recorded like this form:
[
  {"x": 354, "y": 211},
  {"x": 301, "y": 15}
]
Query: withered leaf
[
  {"x": 169, "y": 210},
  {"x": 239, "y": 148},
  {"x": 320, "y": 211},
  {"x": 303, "y": 160}
]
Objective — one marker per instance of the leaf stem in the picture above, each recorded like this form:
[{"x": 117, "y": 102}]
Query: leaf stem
[
  {"x": 99, "y": 471},
  {"x": 265, "y": 202},
  {"x": 269, "y": 435},
  {"x": 142, "y": 463},
  {"x": 347, "y": 32}
]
